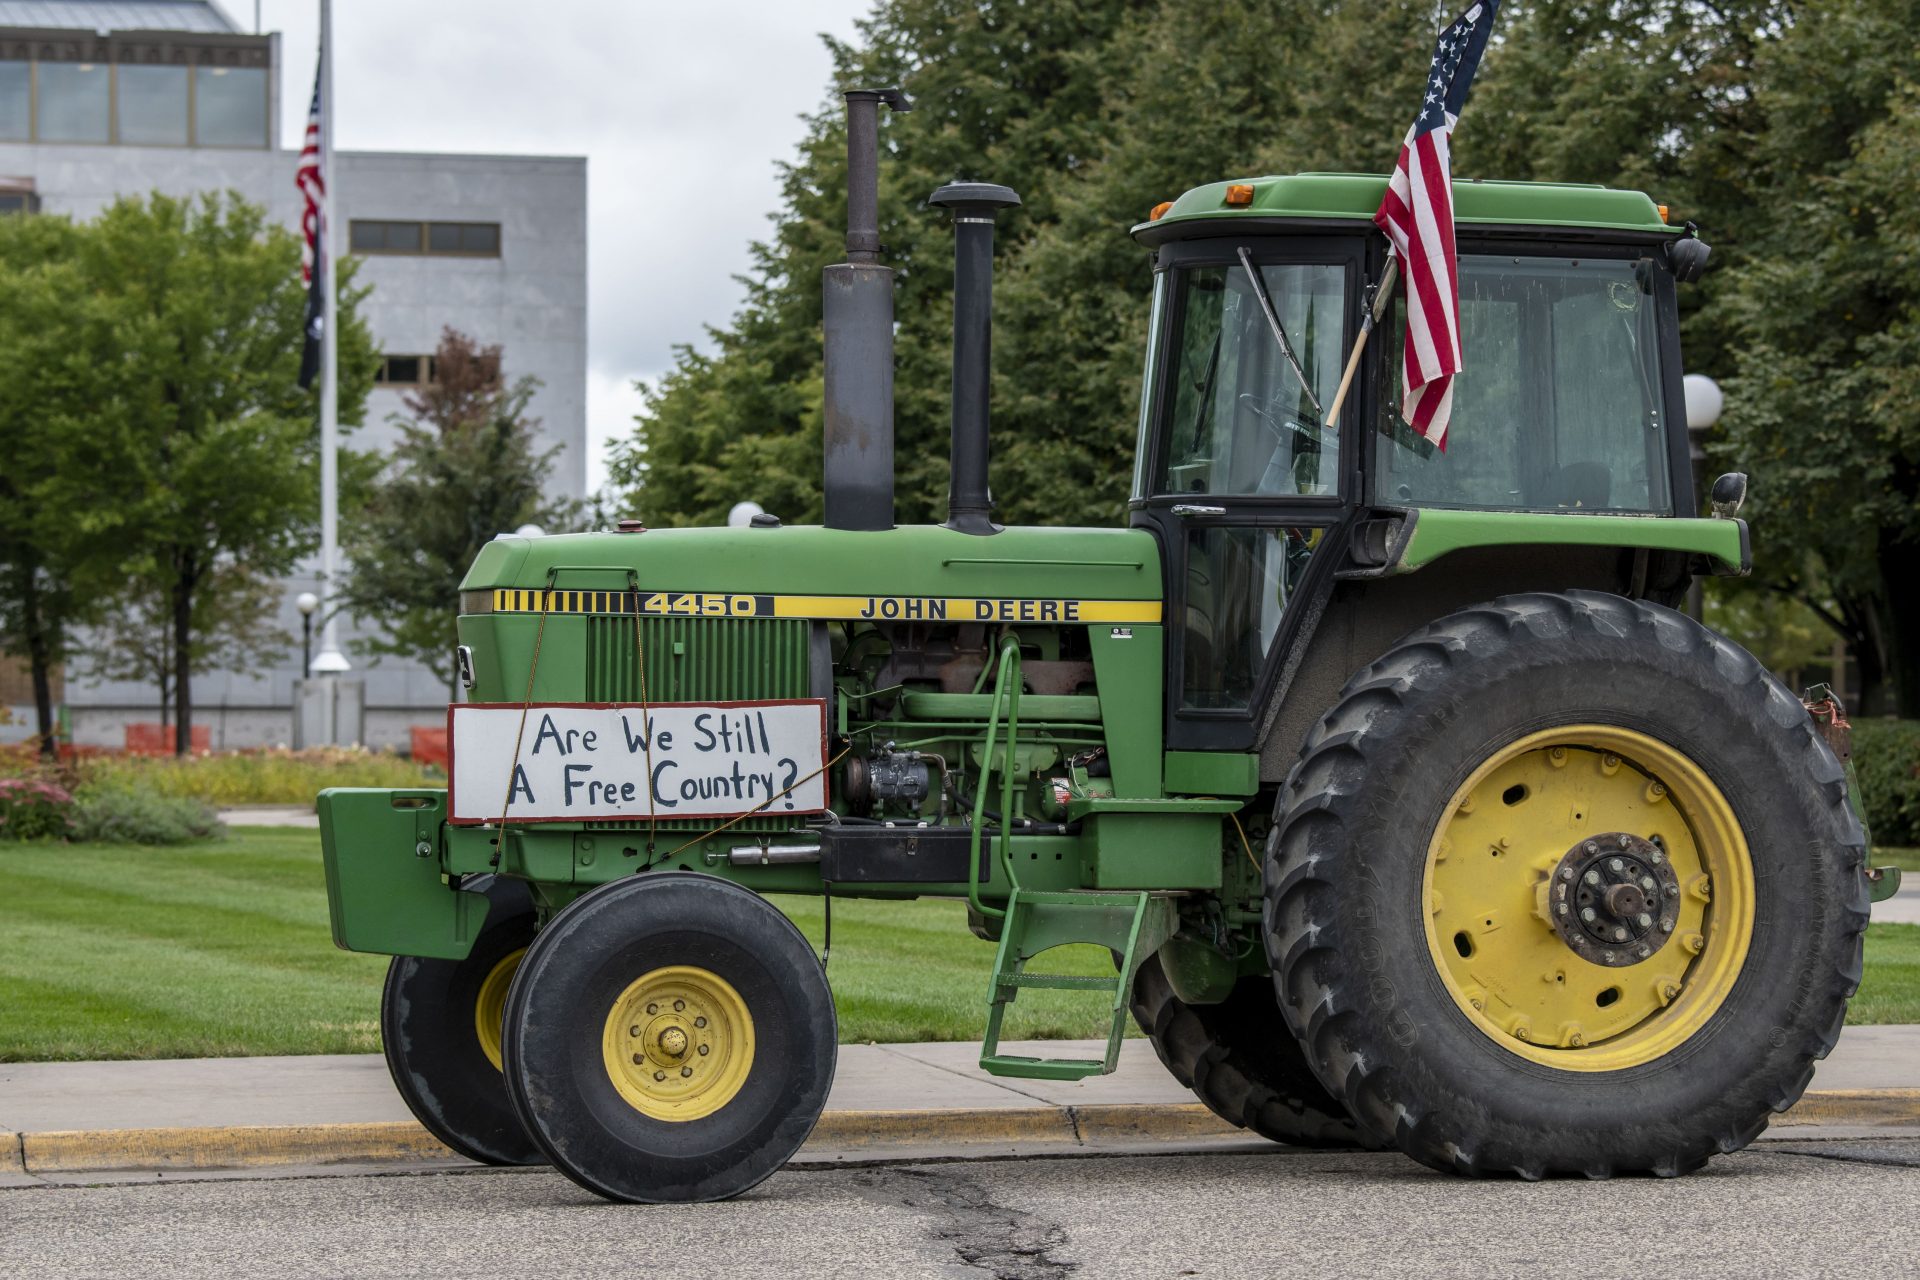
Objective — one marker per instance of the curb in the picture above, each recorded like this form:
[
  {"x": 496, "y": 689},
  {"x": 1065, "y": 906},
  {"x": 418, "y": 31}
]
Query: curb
[{"x": 68, "y": 1152}]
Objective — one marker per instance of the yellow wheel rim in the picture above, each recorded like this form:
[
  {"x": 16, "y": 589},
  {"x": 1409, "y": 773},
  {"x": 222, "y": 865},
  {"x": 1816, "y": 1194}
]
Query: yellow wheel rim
[
  {"x": 678, "y": 1043},
  {"x": 491, "y": 1004},
  {"x": 1518, "y": 841}
]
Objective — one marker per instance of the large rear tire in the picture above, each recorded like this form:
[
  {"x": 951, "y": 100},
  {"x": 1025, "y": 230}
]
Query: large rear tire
[
  {"x": 1240, "y": 1060},
  {"x": 440, "y": 1031},
  {"x": 670, "y": 1038},
  {"x": 1565, "y": 884}
]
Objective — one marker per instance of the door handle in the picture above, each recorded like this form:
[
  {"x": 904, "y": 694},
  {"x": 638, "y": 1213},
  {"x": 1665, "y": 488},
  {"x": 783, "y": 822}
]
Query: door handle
[{"x": 1196, "y": 509}]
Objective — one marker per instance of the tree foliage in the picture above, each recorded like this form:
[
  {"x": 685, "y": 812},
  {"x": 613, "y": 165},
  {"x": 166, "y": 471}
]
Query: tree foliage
[
  {"x": 466, "y": 469},
  {"x": 157, "y": 442},
  {"x": 1788, "y": 132}
]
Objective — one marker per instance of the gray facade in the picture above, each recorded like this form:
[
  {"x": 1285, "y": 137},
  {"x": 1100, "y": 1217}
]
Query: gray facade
[{"x": 530, "y": 297}]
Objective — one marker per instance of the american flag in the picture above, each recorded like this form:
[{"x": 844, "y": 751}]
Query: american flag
[
  {"x": 1417, "y": 215},
  {"x": 313, "y": 189}
]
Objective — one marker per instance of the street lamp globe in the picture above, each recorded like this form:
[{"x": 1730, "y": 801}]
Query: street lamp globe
[
  {"x": 1704, "y": 401},
  {"x": 743, "y": 513},
  {"x": 306, "y": 602}
]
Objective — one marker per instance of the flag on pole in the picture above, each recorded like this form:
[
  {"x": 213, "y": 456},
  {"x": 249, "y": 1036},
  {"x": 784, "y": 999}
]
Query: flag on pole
[
  {"x": 313, "y": 247},
  {"x": 1417, "y": 215}
]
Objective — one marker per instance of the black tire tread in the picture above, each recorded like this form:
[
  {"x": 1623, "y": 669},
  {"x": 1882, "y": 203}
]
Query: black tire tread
[{"x": 1255, "y": 1081}]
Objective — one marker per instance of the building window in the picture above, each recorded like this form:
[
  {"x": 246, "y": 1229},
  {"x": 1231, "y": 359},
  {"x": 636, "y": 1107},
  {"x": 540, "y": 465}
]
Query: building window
[
  {"x": 73, "y": 101},
  {"x": 229, "y": 106},
  {"x": 137, "y": 88},
  {"x": 16, "y": 101},
  {"x": 151, "y": 105},
  {"x": 18, "y": 202},
  {"x": 441, "y": 239},
  {"x": 404, "y": 371}
]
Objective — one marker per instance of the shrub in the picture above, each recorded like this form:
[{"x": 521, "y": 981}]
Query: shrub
[
  {"x": 273, "y": 776},
  {"x": 134, "y": 815},
  {"x": 1886, "y": 755},
  {"x": 34, "y": 809}
]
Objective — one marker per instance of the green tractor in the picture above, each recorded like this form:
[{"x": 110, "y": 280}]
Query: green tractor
[{"x": 1411, "y": 808}]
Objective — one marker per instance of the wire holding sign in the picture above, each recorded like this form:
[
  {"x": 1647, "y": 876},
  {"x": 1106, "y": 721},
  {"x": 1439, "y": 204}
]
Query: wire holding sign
[{"x": 610, "y": 761}]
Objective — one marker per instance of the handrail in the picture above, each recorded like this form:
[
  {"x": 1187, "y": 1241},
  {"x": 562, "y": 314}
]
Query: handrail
[{"x": 1009, "y": 663}]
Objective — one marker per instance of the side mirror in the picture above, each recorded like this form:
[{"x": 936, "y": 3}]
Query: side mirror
[
  {"x": 1687, "y": 256},
  {"x": 1729, "y": 492}
]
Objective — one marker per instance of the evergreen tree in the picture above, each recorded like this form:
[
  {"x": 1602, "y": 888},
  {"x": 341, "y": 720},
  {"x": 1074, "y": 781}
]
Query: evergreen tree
[{"x": 465, "y": 470}]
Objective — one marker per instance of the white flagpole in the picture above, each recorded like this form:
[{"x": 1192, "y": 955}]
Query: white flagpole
[{"x": 329, "y": 662}]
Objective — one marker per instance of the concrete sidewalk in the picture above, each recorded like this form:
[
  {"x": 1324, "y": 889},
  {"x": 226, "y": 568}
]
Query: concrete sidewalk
[{"x": 65, "y": 1121}]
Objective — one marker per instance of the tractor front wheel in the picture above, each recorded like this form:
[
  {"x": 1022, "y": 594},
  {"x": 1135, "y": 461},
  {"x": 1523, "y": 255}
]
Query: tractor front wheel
[
  {"x": 1565, "y": 884},
  {"x": 440, "y": 1030},
  {"x": 669, "y": 1038}
]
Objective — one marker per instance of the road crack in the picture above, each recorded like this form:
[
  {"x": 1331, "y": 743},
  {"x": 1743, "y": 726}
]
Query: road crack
[{"x": 1004, "y": 1242}]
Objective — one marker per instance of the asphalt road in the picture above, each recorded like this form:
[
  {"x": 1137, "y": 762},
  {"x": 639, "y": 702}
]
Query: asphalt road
[{"x": 1781, "y": 1209}]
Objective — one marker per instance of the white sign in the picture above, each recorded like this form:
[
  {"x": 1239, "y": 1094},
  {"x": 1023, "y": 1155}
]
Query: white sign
[{"x": 583, "y": 762}]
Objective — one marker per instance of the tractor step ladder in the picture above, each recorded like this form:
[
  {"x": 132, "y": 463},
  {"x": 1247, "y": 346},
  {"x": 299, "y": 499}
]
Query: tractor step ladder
[{"x": 1130, "y": 924}]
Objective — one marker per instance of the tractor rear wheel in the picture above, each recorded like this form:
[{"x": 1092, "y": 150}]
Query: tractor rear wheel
[
  {"x": 1565, "y": 884},
  {"x": 440, "y": 1030},
  {"x": 1239, "y": 1058},
  {"x": 669, "y": 1038}
]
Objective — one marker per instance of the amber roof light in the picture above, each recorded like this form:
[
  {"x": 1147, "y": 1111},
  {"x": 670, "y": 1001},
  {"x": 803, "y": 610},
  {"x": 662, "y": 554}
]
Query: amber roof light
[
  {"x": 1159, "y": 211},
  {"x": 1239, "y": 193}
]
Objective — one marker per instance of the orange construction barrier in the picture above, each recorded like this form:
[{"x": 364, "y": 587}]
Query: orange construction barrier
[
  {"x": 149, "y": 739},
  {"x": 429, "y": 744}
]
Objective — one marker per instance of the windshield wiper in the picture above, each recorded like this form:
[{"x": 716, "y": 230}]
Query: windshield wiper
[{"x": 1279, "y": 333}]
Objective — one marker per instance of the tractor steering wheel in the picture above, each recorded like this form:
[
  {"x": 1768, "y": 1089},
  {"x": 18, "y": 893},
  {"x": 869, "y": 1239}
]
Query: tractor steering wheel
[{"x": 1280, "y": 423}]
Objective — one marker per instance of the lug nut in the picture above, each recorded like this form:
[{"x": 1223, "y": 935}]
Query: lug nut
[
  {"x": 1563, "y": 908},
  {"x": 1478, "y": 1003},
  {"x": 633, "y": 1030},
  {"x": 679, "y": 1005},
  {"x": 685, "y": 1072},
  {"x": 1646, "y": 882},
  {"x": 1557, "y": 756},
  {"x": 699, "y": 1022},
  {"x": 1586, "y": 913},
  {"x": 1693, "y": 942},
  {"x": 704, "y": 1049},
  {"x": 1592, "y": 877},
  {"x": 1609, "y": 762},
  {"x": 1576, "y": 1041},
  {"x": 659, "y": 1075},
  {"x": 1644, "y": 920},
  {"x": 1657, "y": 856},
  {"x": 1615, "y": 864},
  {"x": 639, "y": 1059},
  {"x": 1619, "y": 935},
  {"x": 653, "y": 1008},
  {"x": 1656, "y": 793},
  {"x": 1669, "y": 991}
]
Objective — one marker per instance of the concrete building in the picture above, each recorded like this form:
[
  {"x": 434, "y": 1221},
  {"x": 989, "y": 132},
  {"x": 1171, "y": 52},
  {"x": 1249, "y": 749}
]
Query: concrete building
[{"x": 104, "y": 98}]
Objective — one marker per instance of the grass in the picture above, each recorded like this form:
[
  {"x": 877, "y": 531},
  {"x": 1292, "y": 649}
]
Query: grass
[
  {"x": 1906, "y": 859},
  {"x": 221, "y": 948}
]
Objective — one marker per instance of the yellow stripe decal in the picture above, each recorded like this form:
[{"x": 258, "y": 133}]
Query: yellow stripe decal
[{"x": 876, "y": 608}]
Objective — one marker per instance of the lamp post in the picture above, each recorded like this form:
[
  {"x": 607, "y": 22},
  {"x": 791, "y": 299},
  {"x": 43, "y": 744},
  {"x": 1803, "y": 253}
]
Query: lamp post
[
  {"x": 306, "y": 602},
  {"x": 1704, "y": 402}
]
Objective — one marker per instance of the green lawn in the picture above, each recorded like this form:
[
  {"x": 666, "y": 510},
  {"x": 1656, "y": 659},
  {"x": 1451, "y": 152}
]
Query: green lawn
[
  {"x": 222, "y": 948},
  {"x": 219, "y": 948},
  {"x": 1907, "y": 860}
]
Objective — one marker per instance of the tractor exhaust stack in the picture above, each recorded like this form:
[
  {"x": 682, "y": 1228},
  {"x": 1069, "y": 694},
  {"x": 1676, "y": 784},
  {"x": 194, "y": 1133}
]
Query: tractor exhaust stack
[
  {"x": 857, "y": 318},
  {"x": 974, "y": 205}
]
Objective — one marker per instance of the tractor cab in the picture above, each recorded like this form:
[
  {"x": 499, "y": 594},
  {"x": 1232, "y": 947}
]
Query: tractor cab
[{"x": 1570, "y": 402}]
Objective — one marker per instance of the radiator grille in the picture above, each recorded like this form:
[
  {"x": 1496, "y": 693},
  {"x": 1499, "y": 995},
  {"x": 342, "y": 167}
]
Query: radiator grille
[{"x": 697, "y": 659}]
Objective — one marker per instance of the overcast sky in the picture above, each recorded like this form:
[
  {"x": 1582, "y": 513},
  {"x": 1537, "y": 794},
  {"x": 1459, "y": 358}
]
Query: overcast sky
[{"x": 682, "y": 110}]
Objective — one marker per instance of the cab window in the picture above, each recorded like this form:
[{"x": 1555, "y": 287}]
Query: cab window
[
  {"x": 1242, "y": 420},
  {"x": 1559, "y": 406}
]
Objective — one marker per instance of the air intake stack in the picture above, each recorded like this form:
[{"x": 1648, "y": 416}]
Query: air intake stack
[
  {"x": 974, "y": 205},
  {"x": 857, "y": 317}
]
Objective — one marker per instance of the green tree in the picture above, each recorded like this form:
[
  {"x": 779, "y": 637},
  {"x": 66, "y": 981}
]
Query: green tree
[
  {"x": 62, "y": 421},
  {"x": 209, "y": 311},
  {"x": 467, "y": 469},
  {"x": 233, "y": 629}
]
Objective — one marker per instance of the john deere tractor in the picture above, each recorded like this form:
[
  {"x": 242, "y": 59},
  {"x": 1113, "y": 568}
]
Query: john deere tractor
[{"x": 1412, "y": 809}]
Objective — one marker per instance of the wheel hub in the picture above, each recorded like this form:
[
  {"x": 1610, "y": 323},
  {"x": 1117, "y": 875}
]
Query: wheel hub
[
  {"x": 1614, "y": 898},
  {"x": 678, "y": 1043}
]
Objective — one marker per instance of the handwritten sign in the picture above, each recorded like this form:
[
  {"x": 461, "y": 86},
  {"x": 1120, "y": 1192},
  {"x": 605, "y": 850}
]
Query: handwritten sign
[{"x": 582, "y": 762}]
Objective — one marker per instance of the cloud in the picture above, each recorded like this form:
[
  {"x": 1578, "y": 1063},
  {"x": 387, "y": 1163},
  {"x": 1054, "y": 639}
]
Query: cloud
[{"x": 682, "y": 110}]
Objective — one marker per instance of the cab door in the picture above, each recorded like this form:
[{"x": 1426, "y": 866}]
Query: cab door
[{"x": 1239, "y": 475}]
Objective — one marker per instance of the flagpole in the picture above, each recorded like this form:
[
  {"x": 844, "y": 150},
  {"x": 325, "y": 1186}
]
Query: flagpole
[
  {"x": 1372, "y": 317},
  {"x": 329, "y": 663}
]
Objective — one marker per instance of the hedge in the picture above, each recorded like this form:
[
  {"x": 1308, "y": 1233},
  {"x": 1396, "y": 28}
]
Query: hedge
[{"x": 1886, "y": 754}]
